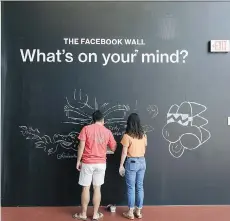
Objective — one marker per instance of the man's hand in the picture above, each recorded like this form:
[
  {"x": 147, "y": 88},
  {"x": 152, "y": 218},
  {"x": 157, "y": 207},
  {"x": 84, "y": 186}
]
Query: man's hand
[{"x": 78, "y": 166}]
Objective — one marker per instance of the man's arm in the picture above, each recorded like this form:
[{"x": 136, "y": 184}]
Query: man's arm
[
  {"x": 112, "y": 144},
  {"x": 81, "y": 148}
]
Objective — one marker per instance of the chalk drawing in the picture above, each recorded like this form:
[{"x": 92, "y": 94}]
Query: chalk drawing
[
  {"x": 184, "y": 129},
  {"x": 152, "y": 110},
  {"x": 148, "y": 128},
  {"x": 66, "y": 156},
  {"x": 50, "y": 144},
  {"x": 78, "y": 111},
  {"x": 81, "y": 115}
]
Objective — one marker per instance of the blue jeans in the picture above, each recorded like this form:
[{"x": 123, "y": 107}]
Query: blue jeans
[{"x": 134, "y": 175}]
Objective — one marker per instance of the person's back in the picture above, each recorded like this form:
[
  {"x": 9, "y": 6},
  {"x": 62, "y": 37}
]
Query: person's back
[
  {"x": 97, "y": 137},
  {"x": 134, "y": 144},
  {"x": 137, "y": 147},
  {"x": 91, "y": 162}
]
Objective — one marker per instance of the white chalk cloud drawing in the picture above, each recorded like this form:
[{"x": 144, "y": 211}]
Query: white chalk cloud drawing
[
  {"x": 78, "y": 111},
  {"x": 185, "y": 128}
]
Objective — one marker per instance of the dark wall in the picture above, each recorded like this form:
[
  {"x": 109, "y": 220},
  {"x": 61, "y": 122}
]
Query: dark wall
[{"x": 187, "y": 160}]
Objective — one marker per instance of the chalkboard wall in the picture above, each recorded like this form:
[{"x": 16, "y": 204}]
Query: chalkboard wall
[{"x": 183, "y": 106}]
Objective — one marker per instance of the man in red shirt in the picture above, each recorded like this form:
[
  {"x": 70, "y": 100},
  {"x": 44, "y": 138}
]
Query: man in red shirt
[{"x": 91, "y": 162}]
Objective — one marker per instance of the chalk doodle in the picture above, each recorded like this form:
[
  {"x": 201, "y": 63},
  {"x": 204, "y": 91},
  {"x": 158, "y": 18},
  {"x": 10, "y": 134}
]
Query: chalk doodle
[
  {"x": 152, "y": 110},
  {"x": 43, "y": 141},
  {"x": 115, "y": 116},
  {"x": 184, "y": 129},
  {"x": 78, "y": 111}
]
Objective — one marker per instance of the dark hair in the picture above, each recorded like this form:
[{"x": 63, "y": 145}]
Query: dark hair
[
  {"x": 134, "y": 128},
  {"x": 97, "y": 116}
]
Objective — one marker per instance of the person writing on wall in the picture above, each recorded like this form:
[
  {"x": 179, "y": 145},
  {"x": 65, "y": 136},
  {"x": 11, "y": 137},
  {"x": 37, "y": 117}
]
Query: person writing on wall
[
  {"x": 91, "y": 162},
  {"x": 134, "y": 143}
]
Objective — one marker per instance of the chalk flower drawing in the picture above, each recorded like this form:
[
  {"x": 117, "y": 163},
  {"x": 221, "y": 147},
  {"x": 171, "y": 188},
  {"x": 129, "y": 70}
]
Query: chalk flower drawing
[
  {"x": 184, "y": 129},
  {"x": 78, "y": 112}
]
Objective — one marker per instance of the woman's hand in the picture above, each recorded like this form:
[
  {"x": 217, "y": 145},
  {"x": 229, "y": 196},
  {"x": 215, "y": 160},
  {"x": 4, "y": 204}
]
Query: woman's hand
[{"x": 122, "y": 170}]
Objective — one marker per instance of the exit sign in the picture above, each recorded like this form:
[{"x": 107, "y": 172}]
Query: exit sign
[{"x": 220, "y": 45}]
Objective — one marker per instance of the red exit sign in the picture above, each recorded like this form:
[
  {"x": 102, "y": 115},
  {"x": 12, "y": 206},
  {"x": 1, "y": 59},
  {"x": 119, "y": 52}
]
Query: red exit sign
[{"x": 220, "y": 46}]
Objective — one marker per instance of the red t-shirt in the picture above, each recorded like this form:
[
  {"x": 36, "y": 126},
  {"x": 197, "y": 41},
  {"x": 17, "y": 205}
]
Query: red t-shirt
[{"x": 97, "y": 138}]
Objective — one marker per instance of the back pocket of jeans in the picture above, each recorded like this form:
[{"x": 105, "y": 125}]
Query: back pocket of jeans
[{"x": 132, "y": 166}]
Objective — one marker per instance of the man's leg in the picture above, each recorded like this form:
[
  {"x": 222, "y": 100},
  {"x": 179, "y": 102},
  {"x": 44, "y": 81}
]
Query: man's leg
[
  {"x": 85, "y": 180},
  {"x": 85, "y": 197},
  {"x": 96, "y": 200},
  {"x": 98, "y": 180}
]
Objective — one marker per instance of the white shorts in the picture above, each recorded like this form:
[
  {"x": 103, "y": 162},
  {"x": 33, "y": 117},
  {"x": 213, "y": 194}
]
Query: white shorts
[{"x": 92, "y": 172}]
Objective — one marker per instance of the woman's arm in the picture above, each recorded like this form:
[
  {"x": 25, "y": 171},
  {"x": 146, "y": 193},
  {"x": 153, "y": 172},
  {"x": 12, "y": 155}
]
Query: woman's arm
[
  {"x": 125, "y": 143},
  {"x": 123, "y": 155}
]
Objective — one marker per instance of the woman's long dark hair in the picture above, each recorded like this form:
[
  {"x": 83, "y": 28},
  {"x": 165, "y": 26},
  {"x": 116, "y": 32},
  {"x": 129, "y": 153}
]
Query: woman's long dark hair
[{"x": 134, "y": 128}]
